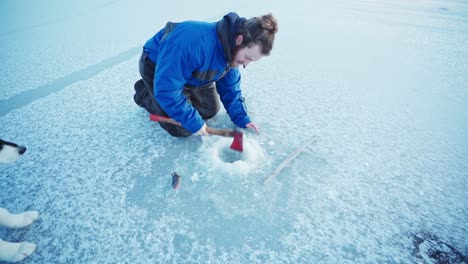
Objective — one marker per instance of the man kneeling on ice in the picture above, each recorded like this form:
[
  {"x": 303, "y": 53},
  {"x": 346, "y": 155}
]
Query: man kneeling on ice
[{"x": 186, "y": 66}]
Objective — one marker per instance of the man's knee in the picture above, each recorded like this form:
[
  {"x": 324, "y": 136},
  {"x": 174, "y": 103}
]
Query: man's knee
[
  {"x": 140, "y": 92},
  {"x": 145, "y": 100}
]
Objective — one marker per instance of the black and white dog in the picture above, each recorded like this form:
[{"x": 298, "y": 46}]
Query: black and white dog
[{"x": 14, "y": 252}]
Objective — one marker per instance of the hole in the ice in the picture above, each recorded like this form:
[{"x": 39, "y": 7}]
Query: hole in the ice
[
  {"x": 230, "y": 156},
  {"x": 428, "y": 246}
]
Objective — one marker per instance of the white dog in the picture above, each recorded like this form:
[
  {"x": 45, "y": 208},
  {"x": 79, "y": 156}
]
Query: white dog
[{"x": 14, "y": 252}]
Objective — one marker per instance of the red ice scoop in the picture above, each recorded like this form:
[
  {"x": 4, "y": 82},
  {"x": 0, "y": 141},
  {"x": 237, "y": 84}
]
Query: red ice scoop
[{"x": 237, "y": 143}]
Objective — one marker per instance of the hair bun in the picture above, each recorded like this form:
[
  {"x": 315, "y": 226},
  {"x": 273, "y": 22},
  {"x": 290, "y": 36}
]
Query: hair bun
[{"x": 269, "y": 23}]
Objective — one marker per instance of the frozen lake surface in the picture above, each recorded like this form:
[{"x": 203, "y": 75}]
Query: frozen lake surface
[{"x": 382, "y": 85}]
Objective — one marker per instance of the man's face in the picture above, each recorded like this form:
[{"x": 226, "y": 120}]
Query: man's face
[{"x": 244, "y": 56}]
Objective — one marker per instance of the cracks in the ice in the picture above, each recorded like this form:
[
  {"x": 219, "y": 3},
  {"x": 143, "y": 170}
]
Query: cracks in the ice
[{"x": 42, "y": 91}]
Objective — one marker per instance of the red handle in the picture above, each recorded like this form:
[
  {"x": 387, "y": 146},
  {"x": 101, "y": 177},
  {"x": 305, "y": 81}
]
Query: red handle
[
  {"x": 237, "y": 143},
  {"x": 210, "y": 130},
  {"x": 157, "y": 118},
  {"x": 160, "y": 118}
]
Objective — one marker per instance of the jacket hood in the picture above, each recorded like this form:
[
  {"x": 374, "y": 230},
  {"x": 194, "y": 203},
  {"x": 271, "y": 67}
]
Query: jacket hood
[{"x": 227, "y": 30}]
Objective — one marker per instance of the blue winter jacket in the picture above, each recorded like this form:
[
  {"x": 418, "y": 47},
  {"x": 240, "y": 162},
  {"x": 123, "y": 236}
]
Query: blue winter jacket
[{"x": 194, "y": 54}]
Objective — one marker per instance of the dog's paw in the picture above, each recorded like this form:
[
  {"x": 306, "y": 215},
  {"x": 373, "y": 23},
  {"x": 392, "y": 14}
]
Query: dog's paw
[
  {"x": 14, "y": 252},
  {"x": 29, "y": 217},
  {"x": 23, "y": 219},
  {"x": 24, "y": 249}
]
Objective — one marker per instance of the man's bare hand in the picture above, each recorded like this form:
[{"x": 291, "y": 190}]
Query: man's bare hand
[
  {"x": 202, "y": 131},
  {"x": 252, "y": 125}
]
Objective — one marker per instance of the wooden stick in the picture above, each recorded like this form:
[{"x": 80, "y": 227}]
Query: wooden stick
[{"x": 290, "y": 158}]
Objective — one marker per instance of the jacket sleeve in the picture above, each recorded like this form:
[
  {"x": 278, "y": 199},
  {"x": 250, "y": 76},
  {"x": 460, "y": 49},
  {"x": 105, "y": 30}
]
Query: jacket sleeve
[
  {"x": 175, "y": 64},
  {"x": 230, "y": 94}
]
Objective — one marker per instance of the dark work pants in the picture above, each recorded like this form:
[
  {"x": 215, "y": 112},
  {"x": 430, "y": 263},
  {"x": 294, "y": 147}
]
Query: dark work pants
[{"x": 204, "y": 99}]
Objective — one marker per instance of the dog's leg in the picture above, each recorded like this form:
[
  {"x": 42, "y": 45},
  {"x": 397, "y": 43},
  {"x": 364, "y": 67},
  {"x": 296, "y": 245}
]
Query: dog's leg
[
  {"x": 14, "y": 252},
  {"x": 17, "y": 220}
]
